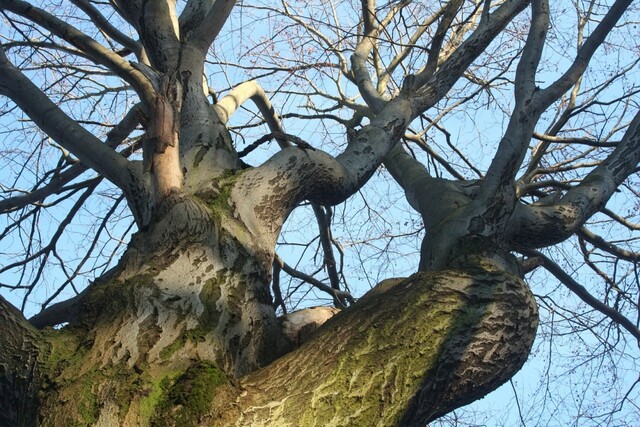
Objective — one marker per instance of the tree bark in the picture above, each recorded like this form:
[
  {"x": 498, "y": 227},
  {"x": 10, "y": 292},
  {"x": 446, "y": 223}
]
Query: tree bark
[
  {"x": 436, "y": 341},
  {"x": 190, "y": 293},
  {"x": 20, "y": 379},
  {"x": 177, "y": 337}
]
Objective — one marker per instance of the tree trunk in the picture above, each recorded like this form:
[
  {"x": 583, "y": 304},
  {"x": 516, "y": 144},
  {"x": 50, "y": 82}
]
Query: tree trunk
[
  {"x": 176, "y": 337},
  {"x": 435, "y": 342},
  {"x": 20, "y": 378}
]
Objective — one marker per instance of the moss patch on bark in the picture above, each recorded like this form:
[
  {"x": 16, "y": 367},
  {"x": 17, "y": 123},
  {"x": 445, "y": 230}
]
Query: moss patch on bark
[{"x": 188, "y": 398}]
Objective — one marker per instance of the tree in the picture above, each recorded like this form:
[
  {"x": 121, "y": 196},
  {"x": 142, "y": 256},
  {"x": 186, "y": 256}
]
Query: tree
[{"x": 183, "y": 330}]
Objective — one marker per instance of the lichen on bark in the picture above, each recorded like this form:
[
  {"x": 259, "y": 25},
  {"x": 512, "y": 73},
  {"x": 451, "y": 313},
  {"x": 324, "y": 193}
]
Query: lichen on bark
[{"x": 460, "y": 333}]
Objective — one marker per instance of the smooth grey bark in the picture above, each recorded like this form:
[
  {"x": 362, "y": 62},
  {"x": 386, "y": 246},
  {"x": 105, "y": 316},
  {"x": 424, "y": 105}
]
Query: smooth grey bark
[{"x": 490, "y": 207}]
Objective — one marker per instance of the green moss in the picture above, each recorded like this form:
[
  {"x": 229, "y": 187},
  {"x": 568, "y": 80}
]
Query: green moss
[
  {"x": 116, "y": 383},
  {"x": 63, "y": 348},
  {"x": 83, "y": 394},
  {"x": 192, "y": 335},
  {"x": 156, "y": 394},
  {"x": 209, "y": 294},
  {"x": 86, "y": 402},
  {"x": 170, "y": 350},
  {"x": 74, "y": 381},
  {"x": 218, "y": 201},
  {"x": 419, "y": 341},
  {"x": 188, "y": 398},
  {"x": 72, "y": 378}
]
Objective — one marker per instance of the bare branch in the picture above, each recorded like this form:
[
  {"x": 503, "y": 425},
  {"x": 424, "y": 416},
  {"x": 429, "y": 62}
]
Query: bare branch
[
  {"x": 78, "y": 39},
  {"x": 608, "y": 247},
  {"x": 366, "y": 45},
  {"x": 561, "y": 219},
  {"x": 532, "y": 52},
  {"x": 450, "y": 11},
  {"x": 585, "y": 53},
  {"x": 336, "y": 293},
  {"x": 60, "y": 127},
  {"x": 104, "y": 25},
  {"x": 431, "y": 88},
  {"x": 584, "y": 294}
]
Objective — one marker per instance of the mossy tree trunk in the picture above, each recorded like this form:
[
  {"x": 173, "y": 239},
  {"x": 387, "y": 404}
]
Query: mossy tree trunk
[
  {"x": 184, "y": 334},
  {"x": 189, "y": 298}
]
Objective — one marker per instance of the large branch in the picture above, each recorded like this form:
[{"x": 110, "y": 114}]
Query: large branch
[
  {"x": 70, "y": 135},
  {"x": 202, "y": 21},
  {"x": 435, "y": 86},
  {"x": 225, "y": 108},
  {"x": 488, "y": 213},
  {"x": 497, "y": 194},
  {"x": 308, "y": 173},
  {"x": 366, "y": 46},
  {"x": 250, "y": 90},
  {"x": 532, "y": 102},
  {"x": 525, "y": 81},
  {"x": 539, "y": 225},
  {"x": 429, "y": 86},
  {"x": 409, "y": 173},
  {"x": 296, "y": 174},
  {"x": 405, "y": 357},
  {"x": 449, "y": 13},
  {"x": 302, "y": 173},
  {"x": 586, "y": 52},
  {"x": 157, "y": 24},
  {"x": 60, "y": 127}
]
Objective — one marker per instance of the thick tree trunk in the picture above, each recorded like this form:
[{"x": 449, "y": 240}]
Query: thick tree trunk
[
  {"x": 176, "y": 336},
  {"x": 401, "y": 356},
  {"x": 191, "y": 293},
  {"x": 20, "y": 379}
]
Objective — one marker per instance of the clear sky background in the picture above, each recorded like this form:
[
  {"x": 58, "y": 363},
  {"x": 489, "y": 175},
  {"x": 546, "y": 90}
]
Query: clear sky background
[{"x": 573, "y": 377}]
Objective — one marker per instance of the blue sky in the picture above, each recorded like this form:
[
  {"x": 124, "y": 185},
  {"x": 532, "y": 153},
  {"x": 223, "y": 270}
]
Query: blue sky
[{"x": 565, "y": 382}]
